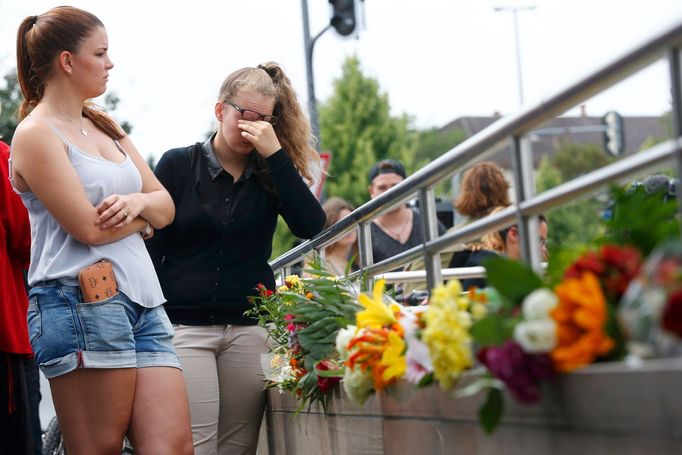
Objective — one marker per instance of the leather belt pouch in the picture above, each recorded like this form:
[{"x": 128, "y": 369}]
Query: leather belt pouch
[{"x": 97, "y": 282}]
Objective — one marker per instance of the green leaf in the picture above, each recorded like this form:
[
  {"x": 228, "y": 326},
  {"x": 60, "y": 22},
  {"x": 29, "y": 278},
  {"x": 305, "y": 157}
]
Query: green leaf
[
  {"x": 426, "y": 380},
  {"x": 490, "y": 413},
  {"x": 512, "y": 279},
  {"x": 331, "y": 373},
  {"x": 641, "y": 219},
  {"x": 488, "y": 331},
  {"x": 477, "y": 386},
  {"x": 613, "y": 329}
]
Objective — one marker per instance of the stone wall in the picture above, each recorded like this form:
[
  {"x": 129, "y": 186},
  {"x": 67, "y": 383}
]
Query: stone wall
[{"x": 605, "y": 408}]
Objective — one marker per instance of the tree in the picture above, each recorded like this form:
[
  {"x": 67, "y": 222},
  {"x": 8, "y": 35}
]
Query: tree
[
  {"x": 666, "y": 121},
  {"x": 431, "y": 144},
  {"x": 357, "y": 129},
  {"x": 10, "y": 99},
  {"x": 575, "y": 159},
  {"x": 575, "y": 224}
]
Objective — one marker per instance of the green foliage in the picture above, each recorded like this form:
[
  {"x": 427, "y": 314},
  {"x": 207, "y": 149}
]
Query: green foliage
[
  {"x": 111, "y": 101},
  {"x": 640, "y": 219},
  {"x": 433, "y": 143},
  {"x": 490, "y": 413},
  {"x": 303, "y": 319},
  {"x": 562, "y": 257},
  {"x": 574, "y": 224},
  {"x": 283, "y": 240},
  {"x": 357, "y": 129},
  {"x": 10, "y": 100},
  {"x": 493, "y": 330},
  {"x": 512, "y": 279},
  {"x": 547, "y": 175},
  {"x": 573, "y": 160}
]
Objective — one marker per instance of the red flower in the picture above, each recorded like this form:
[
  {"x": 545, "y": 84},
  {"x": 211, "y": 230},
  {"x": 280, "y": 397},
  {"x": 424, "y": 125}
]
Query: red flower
[
  {"x": 614, "y": 266},
  {"x": 671, "y": 318},
  {"x": 323, "y": 383},
  {"x": 588, "y": 262},
  {"x": 521, "y": 372}
]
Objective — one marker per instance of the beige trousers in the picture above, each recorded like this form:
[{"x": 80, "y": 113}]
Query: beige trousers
[{"x": 224, "y": 378}]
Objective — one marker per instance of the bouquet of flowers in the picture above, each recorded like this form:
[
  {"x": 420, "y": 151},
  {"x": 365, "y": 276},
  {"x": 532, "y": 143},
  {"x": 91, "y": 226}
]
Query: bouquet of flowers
[
  {"x": 576, "y": 314},
  {"x": 651, "y": 309},
  {"x": 524, "y": 330},
  {"x": 390, "y": 342},
  {"x": 303, "y": 318}
]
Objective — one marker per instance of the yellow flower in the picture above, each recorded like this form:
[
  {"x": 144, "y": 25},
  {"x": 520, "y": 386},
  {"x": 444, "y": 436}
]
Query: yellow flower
[
  {"x": 376, "y": 313},
  {"x": 293, "y": 283},
  {"x": 447, "y": 333},
  {"x": 393, "y": 358},
  {"x": 478, "y": 310}
]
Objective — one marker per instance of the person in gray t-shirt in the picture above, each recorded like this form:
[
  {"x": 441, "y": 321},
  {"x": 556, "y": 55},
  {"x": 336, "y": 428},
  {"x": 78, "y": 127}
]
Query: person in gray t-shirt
[{"x": 397, "y": 230}]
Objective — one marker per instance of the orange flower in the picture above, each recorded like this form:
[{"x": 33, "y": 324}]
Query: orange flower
[
  {"x": 580, "y": 315},
  {"x": 368, "y": 351}
]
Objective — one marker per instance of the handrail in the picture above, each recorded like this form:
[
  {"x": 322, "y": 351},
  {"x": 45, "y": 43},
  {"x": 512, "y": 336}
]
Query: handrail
[{"x": 485, "y": 143}]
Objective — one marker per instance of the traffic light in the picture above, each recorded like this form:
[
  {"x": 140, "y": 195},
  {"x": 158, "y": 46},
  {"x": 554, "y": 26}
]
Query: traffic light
[
  {"x": 614, "y": 138},
  {"x": 343, "y": 16}
]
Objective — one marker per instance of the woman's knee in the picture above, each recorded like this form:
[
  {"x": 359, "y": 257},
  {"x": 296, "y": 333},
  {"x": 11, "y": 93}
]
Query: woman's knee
[{"x": 164, "y": 446}]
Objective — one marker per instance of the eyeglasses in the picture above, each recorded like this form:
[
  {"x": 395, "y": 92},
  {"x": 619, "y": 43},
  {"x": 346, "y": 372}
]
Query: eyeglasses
[
  {"x": 503, "y": 233},
  {"x": 253, "y": 116}
]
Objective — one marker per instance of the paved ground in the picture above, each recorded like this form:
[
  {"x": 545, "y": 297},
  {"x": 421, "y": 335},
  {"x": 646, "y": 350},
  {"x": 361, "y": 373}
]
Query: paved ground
[{"x": 46, "y": 406}]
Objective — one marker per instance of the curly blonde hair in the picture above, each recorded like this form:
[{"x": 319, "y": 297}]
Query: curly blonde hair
[{"x": 293, "y": 128}]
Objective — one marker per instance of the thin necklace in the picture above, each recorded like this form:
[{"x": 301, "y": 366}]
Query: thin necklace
[
  {"x": 84, "y": 132},
  {"x": 396, "y": 235}
]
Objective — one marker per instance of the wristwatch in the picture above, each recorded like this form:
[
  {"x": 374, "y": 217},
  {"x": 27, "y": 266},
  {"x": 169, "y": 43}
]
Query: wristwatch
[{"x": 147, "y": 231}]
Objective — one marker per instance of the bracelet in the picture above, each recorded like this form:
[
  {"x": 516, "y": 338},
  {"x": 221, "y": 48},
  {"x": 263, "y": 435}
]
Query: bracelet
[{"x": 147, "y": 231}]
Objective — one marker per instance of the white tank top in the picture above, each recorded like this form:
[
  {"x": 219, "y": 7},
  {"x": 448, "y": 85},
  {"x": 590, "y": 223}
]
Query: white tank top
[{"x": 56, "y": 255}]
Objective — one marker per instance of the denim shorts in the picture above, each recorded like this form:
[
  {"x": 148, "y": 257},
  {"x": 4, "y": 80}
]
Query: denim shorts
[{"x": 66, "y": 333}]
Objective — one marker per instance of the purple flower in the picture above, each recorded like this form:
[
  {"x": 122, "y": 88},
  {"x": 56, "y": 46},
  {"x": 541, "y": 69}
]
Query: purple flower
[{"x": 521, "y": 372}]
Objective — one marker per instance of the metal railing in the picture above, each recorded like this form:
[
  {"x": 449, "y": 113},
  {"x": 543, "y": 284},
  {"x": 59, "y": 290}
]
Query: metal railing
[{"x": 513, "y": 129}]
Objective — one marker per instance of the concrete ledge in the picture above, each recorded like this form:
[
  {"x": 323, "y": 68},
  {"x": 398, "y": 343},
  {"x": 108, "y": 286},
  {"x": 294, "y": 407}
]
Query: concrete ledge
[{"x": 605, "y": 408}]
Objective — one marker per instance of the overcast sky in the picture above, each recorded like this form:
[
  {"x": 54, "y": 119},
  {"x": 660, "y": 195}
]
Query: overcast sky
[{"x": 437, "y": 59}]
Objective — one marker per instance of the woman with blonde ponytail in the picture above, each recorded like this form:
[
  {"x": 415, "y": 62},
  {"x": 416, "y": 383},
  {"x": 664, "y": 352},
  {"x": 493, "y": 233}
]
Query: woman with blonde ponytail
[
  {"x": 229, "y": 191},
  {"x": 90, "y": 195}
]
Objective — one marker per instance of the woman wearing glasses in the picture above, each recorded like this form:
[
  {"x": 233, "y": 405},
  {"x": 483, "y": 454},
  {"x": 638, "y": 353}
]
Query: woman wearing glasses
[
  {"x": 228, "y": 193},
  {"x": 505, "y": 242}
]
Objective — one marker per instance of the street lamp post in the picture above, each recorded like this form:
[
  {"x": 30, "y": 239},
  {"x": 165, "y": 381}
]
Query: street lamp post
[
  {"x": 514, "y": 10},
  {"x": 309, "y": 44}
]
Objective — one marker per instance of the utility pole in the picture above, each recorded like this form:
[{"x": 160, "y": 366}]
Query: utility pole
[
  {"x": 514, "y": 10},
  {"x": 309, "y": 44}
]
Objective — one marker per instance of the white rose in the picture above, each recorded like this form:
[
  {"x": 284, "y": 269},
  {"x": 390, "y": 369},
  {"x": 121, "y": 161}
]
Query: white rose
[
  {"x": 539, "y": 303},
  {"x": 358, "y": 385},
  {"x": 344, "y": 337},
  {"x": 536, "y": 336}
]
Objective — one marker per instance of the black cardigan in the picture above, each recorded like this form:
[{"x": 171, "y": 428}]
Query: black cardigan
[{"x": 210, "y": 259}]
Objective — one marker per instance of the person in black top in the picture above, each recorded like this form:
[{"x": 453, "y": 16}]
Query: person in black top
[
  {"x": 505, "y": 242},
  {"x": 228, "y": 193},
  {"x": 399, "y": 229}
]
